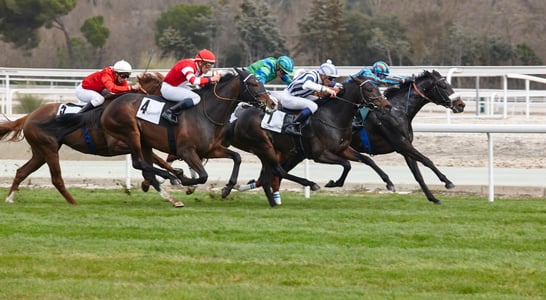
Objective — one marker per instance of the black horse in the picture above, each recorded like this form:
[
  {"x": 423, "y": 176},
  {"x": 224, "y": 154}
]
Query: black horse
[
  {"x": 326, "y": 139},
  {"x": 390, "y": 132}
]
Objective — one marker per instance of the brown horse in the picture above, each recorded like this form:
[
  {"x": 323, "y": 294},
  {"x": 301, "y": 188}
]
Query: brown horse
[
  {"x": 198, "y": 134},
  {"x": 326, "y": 139},
  {"x": 45, "y": 142}
]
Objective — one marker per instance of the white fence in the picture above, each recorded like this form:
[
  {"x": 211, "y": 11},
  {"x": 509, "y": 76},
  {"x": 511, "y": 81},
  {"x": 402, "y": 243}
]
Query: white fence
[{"x": 57, "y": 84}]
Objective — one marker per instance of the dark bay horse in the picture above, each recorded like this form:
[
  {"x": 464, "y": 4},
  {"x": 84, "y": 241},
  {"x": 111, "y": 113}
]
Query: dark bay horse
[
  {"x": 41, "y": 131},
  {"x": 326, "y": 139},
  {"x": 387, "y": 133},
  {"x": 390, "y": 130},
  {"x": 198, "y": 134}
]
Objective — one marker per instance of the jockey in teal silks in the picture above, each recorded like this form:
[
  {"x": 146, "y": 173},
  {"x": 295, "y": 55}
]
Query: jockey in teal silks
[
  {"x": 380, "y": 75},
  {"x": 268, "y": 69}
]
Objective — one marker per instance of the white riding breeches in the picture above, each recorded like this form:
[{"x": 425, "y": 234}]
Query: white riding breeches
[
  {"x": 178, "y": 93},
  {"x": 89, "y": 96},
  {"x": 296, "y": 103}
]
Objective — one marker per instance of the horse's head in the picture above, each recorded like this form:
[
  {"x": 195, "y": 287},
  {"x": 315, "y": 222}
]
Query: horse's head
[
  {"x": 253, "y": 91},
  {"x": 370, "y": 95},
  {"x": 150, "y": 83},
  {"x": 435, "y": 88}
]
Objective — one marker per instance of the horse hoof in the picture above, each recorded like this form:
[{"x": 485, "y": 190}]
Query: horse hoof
[
  {"x": 226, "y": 190},
  {"x": 315, "y": 187},
  {"x": 450, "y": 186},
  {"x": 145, "y": 186},
  {"x": 391, "y": 188},
  {"x": 178, "y": 204},
  {"x": 330, "y": 183},
  {"x": 176, "y": 182},
  {"x": 437, "y": 202},
  {"x": 191, "y": 189},
  {"x": 273, "y": 204}
]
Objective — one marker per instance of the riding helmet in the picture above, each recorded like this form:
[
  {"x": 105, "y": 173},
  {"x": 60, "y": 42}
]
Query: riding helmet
[
  {"x": 122, "y": 67},
  {"x": 286, "y": 64},
  {"x": 206, "y": 56},
  {"x": 328, "y": 69},
  {"x": 380, "y": 68}
]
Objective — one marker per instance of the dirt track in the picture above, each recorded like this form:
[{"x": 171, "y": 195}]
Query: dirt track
[{"x": 454, "y": 149}]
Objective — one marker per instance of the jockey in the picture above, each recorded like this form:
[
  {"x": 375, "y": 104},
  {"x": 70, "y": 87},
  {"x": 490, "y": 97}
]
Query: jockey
[
  {"x": 175, "y": 86},
  {"x": 268, "y": 69},
  {"x": 301, "y": 93},
  {"x": 112, "y": 79},
  {"x": 380, "y": 75}
]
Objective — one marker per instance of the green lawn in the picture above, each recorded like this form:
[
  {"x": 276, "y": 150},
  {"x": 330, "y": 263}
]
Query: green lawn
[{"x": 359, "y": 246}]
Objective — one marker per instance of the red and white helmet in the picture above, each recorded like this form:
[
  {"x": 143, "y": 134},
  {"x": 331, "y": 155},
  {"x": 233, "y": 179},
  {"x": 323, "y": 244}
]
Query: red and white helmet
[{"x": 206, "y": 56}]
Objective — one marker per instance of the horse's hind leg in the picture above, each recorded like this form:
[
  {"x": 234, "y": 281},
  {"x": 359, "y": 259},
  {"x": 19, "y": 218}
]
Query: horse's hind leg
[
  {"x": 56, "y": 177},
  {"x": 354, "y": 155},
  {"x": 22, "y": 173}
]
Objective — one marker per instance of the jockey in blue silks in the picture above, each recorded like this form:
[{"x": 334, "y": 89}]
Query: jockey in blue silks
[{"x": 380, "y": 75}]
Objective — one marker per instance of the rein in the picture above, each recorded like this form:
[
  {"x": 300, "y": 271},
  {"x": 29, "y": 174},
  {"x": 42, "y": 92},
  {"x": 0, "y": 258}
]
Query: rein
[
  {"x": 246, "y": 90},
  {"x": 427, "y": 98}
]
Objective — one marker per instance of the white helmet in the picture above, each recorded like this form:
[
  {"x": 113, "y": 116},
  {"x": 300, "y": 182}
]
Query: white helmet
[
  {"x": 328, "y": 69},
  {"x": 122, "y": 67}
]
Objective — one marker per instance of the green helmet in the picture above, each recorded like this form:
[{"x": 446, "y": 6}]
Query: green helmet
[{"x": 286, "y": 64}]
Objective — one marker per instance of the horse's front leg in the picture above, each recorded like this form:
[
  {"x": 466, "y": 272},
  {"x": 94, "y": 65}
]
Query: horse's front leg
[
  {"x": 412, "y": 164},
  {"x": 195, "y": 163},
  {"x": 223, "y": 152},
  {"x": 334, "y": 159}
]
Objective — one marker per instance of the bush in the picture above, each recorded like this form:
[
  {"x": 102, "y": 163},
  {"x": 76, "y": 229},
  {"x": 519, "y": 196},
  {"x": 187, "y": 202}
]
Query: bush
[{"x": 28, "y": 103}]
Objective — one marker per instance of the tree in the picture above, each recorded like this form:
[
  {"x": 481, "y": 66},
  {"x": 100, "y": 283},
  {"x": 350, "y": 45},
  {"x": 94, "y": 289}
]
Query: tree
[
  {"x": 259, "y": 33},
  {"x": 96, "y": 34},
  {"x": 182, "y": 30},
  {"x": 20, "y": 20},
  {"x": 525, "y": 55},
  {"x": 323, "y": 33}
]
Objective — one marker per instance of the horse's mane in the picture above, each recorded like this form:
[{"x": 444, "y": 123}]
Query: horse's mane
[
  {"x": 225, "y": 78},
  {"x": 406, "y": 85}
]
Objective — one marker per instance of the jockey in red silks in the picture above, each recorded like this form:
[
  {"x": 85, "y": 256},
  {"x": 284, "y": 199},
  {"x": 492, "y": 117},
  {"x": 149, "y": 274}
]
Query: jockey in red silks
[{"x": 176, "y": 85}]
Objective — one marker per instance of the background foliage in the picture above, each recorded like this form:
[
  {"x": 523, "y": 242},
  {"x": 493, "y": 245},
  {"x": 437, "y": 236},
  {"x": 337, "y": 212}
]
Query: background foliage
[{"x": 419, "y": 32}]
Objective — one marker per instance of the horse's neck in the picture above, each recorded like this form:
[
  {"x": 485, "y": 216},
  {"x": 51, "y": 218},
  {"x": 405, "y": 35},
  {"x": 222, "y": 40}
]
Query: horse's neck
[
  {"x": 409, "y": 104},
  {"x": 338, "y": 112}
]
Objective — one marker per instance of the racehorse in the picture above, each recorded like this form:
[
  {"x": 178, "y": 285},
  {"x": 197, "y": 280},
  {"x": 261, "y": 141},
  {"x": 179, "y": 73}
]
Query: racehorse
[
  {"x": 41, "y": 131},
  {"x": 391, "y": 130},
  {"x": 198, "y": 134},
  {"x": 326, "y": 139},
  {"x": 386, "y": 133}
]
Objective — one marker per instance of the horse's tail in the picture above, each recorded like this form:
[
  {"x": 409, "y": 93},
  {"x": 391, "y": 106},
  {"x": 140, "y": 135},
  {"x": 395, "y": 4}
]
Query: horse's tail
[{"x": 12, "y": 131}]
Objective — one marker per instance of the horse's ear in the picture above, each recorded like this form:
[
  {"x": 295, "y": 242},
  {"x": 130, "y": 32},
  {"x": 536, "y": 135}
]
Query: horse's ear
[
  {"x": 238, "y": 70},
  {"x": 356, "y": 79}
]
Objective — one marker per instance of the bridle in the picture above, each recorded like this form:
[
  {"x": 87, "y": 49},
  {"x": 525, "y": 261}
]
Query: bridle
[
  {"x": 371, "y": 104},
  {"x": 436, "y": 90},
  {"x": 246, "y": 90}
]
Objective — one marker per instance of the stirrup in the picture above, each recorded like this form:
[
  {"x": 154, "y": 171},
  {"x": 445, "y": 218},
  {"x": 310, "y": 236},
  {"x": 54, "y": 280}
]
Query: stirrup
[{"x": 169, "y": 116}]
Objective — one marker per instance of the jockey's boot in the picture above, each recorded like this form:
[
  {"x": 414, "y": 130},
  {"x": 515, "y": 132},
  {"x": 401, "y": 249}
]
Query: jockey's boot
[
  {"x": 303, "y": 116},
  {"x": 87, "y": 107},
  {"x": 171, "y": 114}
]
